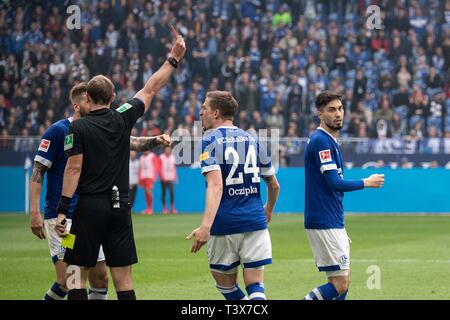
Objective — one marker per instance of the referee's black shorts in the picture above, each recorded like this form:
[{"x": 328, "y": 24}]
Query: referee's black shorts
[{"x": 96, "y": 223}]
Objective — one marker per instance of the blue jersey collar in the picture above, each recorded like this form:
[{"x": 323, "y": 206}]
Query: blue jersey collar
[{"x": 320, "y": 128}]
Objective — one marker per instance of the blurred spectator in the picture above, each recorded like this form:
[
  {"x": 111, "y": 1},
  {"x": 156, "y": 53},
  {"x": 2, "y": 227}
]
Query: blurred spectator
[
  {"x": 134, "y": 170},
  {"x": 168, "y": 177},
  {"x": 147, "y": 174}
]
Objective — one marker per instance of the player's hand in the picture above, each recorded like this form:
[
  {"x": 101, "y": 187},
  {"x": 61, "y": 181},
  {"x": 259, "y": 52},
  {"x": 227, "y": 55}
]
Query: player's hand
[
  {"x": 201, "y": 236},
  {"x": 37, "y": 224},
  {"x": 268, "y": 213},
  {"x": 164, "y": 140},
  {"x": 179, "y": 47},
  {"x": 374, "y": 181},
  {"x": 60, "y": 226}
]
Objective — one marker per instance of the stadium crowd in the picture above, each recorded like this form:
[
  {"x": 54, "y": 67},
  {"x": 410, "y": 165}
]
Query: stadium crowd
[{"x": 275, "y": 56}]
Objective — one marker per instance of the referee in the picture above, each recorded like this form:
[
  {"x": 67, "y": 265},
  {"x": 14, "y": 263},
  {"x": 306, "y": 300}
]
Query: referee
[{"x": 98, "y": 151}]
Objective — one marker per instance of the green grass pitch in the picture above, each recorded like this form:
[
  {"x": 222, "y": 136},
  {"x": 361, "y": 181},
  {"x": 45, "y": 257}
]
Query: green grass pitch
[{"x": 412, "y": 253}]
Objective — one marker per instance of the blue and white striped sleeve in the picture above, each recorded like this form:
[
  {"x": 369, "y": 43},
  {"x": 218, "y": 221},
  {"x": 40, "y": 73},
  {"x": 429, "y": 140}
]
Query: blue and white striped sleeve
[{"x": 48, "y": 146}]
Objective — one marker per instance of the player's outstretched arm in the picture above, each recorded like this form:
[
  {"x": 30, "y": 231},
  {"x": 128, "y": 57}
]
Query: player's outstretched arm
[
  {"x": 374, "y": 181},
  {"x": 273, "y": 190},
  {"x": 142, "y": 144},
  {"x": 70, "y": 183},
  {"x": 214, "y": 192},
  {"x": 36, "y": 221},
  {"x": 160, "y": 77}
]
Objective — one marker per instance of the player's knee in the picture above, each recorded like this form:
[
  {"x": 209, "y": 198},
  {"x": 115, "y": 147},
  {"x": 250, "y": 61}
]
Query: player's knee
[{"x": 101, "y": 280}]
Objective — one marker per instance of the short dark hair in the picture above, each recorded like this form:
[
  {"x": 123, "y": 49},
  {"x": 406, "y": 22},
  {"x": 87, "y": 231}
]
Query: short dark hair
[
  {"x": 77, "y": 91},
  {"x": 224, "y": 101},
  {"x": 100, "y": 89},
  {"x": 325, "y": 97}
]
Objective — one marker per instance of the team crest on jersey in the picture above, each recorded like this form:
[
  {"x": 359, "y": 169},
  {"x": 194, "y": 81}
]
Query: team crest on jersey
[
  {"x": 44, "y": 145},
  {"x": 68, "y": 142},
  {"x": 343, "y": 259},
  {"x": 124, "y": 107},
  {"x": 204, "y": 156},
  {"x": 325, "y": 155}
]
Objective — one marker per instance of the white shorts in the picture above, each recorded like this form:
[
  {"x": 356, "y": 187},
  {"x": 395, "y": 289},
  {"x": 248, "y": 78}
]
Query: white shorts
[
  {"x": 54, "y": 241},
  {"x": 249, "y": 249},
  {"x": 331, "y": 250}
]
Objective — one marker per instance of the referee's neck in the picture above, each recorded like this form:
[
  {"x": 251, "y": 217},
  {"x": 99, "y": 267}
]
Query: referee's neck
[{"x": 95, "y": 107}]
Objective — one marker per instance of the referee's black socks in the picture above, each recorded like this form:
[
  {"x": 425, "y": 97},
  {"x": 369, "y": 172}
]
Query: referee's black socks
[
  {"x": 77, "y": 294},
  {"x": 81, "y": 294},
  {"x": 126, "y": 295}
]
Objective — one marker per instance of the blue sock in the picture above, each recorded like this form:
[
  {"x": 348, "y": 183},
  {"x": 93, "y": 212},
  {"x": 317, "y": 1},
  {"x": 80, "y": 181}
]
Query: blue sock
[
  {"x": 56, "y": 292},
  {"x": 325, "y": 292},
  {"x": 342, "y": 296},
  {"x": 256, "y": 291},
  {"x": 232, "y": 293}
]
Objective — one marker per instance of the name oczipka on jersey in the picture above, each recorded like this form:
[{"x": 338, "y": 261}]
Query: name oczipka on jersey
[{"x": 242, "y": 191}]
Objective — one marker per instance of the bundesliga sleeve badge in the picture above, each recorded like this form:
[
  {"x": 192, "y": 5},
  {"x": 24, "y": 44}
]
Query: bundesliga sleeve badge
[
  {"x": 68, "y": 142},
  {"x": 44, "y": 145},
  {"x": 325, "y": 156},
  {"x": 204, "y": 156}
]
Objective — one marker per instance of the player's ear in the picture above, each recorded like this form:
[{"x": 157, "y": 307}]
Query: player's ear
[
  {"x": 76, "y": 107},
  {"x": 216, "y": 114}
]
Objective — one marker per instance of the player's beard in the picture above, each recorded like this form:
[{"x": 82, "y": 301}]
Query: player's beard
[
  {"x": 338, "y": 127},
  {"x": 335, "y": 127}
]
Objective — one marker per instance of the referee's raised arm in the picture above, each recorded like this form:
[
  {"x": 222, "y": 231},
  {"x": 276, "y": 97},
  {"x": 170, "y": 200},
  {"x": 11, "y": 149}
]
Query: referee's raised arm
[{"x": 160, "y": 77}]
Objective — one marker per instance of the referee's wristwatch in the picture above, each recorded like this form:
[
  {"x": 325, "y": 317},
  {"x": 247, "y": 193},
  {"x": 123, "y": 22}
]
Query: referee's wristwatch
[{"x": 173, "y": 62}]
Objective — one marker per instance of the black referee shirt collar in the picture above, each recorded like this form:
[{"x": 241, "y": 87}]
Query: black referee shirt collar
[{"x": 99, "y": 111}]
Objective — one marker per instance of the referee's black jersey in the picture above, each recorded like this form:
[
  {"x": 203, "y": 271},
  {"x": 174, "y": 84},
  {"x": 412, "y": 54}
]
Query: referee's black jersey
[{"x": 103, "y": 137}]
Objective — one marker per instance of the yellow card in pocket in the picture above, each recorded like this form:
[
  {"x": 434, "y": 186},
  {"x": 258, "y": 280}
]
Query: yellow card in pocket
[{"x": 68, "y": 241}]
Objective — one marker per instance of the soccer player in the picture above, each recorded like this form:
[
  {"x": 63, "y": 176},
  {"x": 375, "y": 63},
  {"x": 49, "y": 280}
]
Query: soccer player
[
  {"x": 324, "y": 193},
  {"x": 50, "y": 158},
  {"x": 234, "y": 223}
]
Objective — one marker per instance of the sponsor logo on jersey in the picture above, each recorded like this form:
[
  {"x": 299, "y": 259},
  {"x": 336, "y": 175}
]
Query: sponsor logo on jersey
[
  {"x": 234, "y": 139},
  {"x": 44, "y": 145},
  {"x": 124, "y": 107},
  {"x": 68, "y": 142},
  {"x": 242, "y": 191},
  {"x": 325, "y": 156},
  {"x": 204, "y": 156}
]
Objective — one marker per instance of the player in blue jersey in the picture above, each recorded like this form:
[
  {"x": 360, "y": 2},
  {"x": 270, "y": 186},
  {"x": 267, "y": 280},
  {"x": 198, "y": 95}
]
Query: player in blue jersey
[
  {"x": 324, "y": 195},
  {"x": 50, "y": 158},
  {"x": 234, "y": 224}
]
